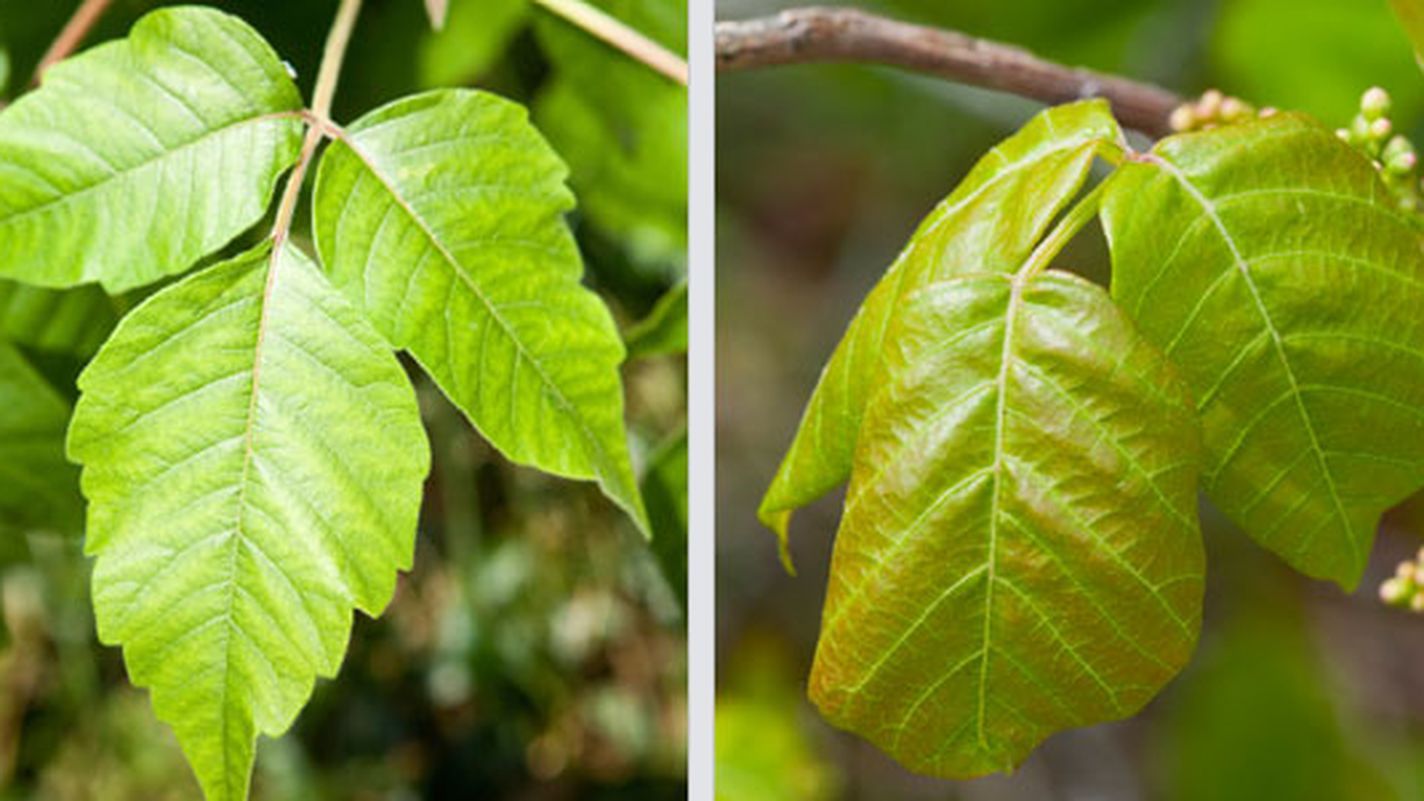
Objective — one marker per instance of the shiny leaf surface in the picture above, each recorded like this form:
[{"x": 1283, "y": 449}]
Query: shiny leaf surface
[
  {"x": 1267, "y": 260},
  {"x": 1019, "y": 552},
  {"x": 990, "y": 222}
]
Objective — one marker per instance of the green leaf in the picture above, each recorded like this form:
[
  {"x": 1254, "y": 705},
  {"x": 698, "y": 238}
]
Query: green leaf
[
  {"x": 38, "y": 488},
  {"x": 622, "y": 127},
  {"x": 74, "y": 321},
  {"x": 664, "y": 486},
  {"x": 441, "y": 215},
  {"x": 664, "y": 330},
  {"x": 474, "y": 36},
  {"x": 1411, "y": 17},
  {"x": 139, "y": 157},
  {"x": 253, "y": 458},
  {"x": 1035, "y": 172},
  {"x": 1019, "y": 552},
  {"x": 1269, "y": 262}
]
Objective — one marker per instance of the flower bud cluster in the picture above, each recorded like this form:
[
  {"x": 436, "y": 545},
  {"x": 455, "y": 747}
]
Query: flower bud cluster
[
  {"x": 1406, "y": 587},
  {"x": 1372, "y": 133},
  {"x": 1213, "y": 110}
]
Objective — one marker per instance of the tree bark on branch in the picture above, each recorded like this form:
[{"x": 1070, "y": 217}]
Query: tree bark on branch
[{"x": 806, "y": 35}]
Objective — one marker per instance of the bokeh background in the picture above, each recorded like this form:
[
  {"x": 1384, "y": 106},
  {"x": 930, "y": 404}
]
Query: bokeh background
[
  {"x": 537, "y": 651},
  {"x": 1297, "y": 691}
]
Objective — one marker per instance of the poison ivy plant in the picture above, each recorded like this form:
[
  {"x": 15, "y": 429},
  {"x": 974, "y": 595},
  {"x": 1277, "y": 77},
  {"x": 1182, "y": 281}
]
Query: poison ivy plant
[
  {"x": 623, "y": 129},
  {"x": 1019, "y": 551},
  {"x": 252, "y": 452}
]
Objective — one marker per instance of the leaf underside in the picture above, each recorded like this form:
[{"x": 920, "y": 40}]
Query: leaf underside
[
  {"x": 1036, "y": 172},
  {"x": 140, "y": 156},
  {"x": 1019, "y": 552},
  {"x": 1268, "y": 261},
  {"x": 441, "y": 216},
  {"x": 253, "y": 458}
]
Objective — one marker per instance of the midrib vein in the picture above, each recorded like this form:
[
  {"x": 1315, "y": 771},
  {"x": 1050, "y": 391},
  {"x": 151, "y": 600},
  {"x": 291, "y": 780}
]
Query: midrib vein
[
  {"x": 1209, "y": 209},
  {"x": 1001, "y": 415},
  {"x": 248, "y": 454},
  {"x": 605, "y": 463}
]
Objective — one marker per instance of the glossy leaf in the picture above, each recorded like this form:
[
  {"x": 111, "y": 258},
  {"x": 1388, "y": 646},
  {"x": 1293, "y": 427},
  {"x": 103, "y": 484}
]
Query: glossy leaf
[
  {"x": 1034, "y": 174},
  {"x": 253, "y": 459},
  {"x": 139, "y": 157},
  {"x": 1269, "y": 262},
  {"x": 1019, "y": 552},
  {"x": 38, "y": 488},
  {"x": 664, "y": 330},
  {"x": 441, "y": 215}
]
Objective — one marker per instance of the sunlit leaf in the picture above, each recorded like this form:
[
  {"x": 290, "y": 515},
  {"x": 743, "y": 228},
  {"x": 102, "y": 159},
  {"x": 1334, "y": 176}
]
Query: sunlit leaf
[
  {"x": 1019, "y": 552},
  {"x": 1035, "y": 173},
  {"x": 441, "y": 215},
  {"x": 1269, "y": 262},
  {"x": 140, "y": 156},
  {"x": 253, "y": 459}
]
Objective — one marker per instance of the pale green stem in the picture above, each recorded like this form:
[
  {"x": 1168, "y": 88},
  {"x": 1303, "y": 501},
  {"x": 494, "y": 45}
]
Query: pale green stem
[
  {"x": 327, "y": 75},
  {"x": 616, "y": 33},
  {"x": 1080, "y": 215}
]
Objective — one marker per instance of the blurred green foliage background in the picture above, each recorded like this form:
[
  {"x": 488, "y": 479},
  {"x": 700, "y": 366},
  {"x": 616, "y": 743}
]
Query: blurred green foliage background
[
  {"x": 1296, "y": 691},
  {"x": 537, "y": 651}
]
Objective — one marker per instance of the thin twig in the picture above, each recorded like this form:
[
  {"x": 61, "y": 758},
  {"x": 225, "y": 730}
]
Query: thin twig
[
  {"x": 322, "y": 95},
  {"x": 71, "y": 36},
  {"x": 831, "y": 34},
  {"x": 615, "y": 33}
]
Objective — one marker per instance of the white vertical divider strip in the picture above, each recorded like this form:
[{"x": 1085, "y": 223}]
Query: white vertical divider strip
[{"x": 702, "y": 410}]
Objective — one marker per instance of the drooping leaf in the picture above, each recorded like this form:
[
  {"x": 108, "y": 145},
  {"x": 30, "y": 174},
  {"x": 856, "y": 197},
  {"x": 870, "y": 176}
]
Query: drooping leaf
[
  {"x": 1019, "y": 552},
  {"x": 38, "y": 488},
  {"x": 74, "y": 321},
  {"x": 140, "y": 156},
  {"x": 474, "y": 36},
  {"x": 441, "y": 215},
  {"x": 253, "y": 459},
  {"x": 1269, "y": 262},
  {"x": 1034, "y": 173},
  {"x": 622, "y": 127},
  {"x": 664, "y": 330}
]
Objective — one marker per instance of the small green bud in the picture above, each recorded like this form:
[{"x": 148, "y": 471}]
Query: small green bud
[
  {"x": 1375, "y": 103},
  {"x": 1416, "y": 603},
  {"x": 1380, "y": 129}
]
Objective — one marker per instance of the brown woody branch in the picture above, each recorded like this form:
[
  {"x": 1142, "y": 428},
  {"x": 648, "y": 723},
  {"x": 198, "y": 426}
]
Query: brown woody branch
[
  {"x": 71, "y": 37},
  {"x": 807, "y": 35}
]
